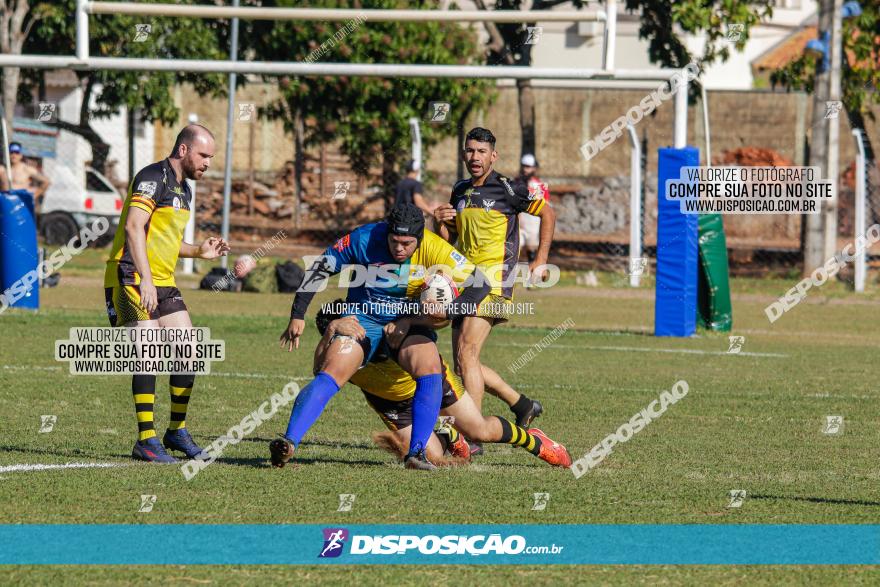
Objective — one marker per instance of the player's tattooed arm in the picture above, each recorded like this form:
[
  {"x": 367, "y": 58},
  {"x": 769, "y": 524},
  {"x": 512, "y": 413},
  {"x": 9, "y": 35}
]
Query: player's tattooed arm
[
  {"x": 466, "y": 304},
  {"x": 545, "y": 239},
  {"x": 444, "y": 217}
]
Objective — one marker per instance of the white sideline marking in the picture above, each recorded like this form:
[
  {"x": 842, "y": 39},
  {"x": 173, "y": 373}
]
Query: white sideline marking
[
  {"x": 44, "y": 467},
  {"x": 650, "y": 350}
]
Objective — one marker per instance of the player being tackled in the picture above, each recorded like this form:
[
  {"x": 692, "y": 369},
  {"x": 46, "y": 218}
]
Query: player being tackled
[
  {"x": 390, "y": 390},
  {"x": 385, "y": 306}
]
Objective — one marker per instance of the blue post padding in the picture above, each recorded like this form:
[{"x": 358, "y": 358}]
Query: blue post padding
[
  {"x": 18, "y": 250},
  {"x": 675, "y": 308}
]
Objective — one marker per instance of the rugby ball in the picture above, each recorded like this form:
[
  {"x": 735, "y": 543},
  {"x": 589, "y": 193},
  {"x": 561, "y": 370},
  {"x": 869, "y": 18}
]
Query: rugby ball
[{"x": 438, "y": 288}]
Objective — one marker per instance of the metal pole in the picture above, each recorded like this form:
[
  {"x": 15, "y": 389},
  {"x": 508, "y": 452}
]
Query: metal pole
[
  {"x": 830, "y": 214},
  {"x": 635, "y": 203},
  {"x": 609, "y": 44},
  {"x": 130, "y": 122},
  {"x": 340, "y": 14},
  {"x": 189, "y": 232},
  {"x": 705, "y": 101},
  {"x": 679, "y": 133},
  {"x": 82, "y": 30},
  {"x": 416, "y": 144},
  {"x": 337, "y": 69},
  {"x": 227, "y": 174},
  {"x": 861, "y": 260},
  {"x": 814, "y": 241},
  {"x": 7, "y": 166}
]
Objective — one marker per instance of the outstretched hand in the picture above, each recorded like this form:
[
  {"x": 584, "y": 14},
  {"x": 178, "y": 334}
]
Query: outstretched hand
[
  {"x": 213, "y": 247},
  {"x": 291, "y": 334}
]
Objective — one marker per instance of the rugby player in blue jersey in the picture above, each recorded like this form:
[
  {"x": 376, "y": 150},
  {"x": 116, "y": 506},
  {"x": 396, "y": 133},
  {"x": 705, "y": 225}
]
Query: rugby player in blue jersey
[{"x": 400, "y": 249}]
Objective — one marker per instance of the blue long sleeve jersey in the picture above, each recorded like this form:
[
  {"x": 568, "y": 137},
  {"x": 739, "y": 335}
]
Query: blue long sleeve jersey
[{"x": 383, "y": 288}]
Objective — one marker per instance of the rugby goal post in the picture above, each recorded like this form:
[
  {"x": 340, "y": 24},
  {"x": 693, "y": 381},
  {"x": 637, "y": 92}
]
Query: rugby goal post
[{"x": 608, "y": 76}]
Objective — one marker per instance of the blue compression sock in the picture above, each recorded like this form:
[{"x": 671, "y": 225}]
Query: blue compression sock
[
  {"x": 426, "y": 407},
  {"x": 309, "y": 405}
]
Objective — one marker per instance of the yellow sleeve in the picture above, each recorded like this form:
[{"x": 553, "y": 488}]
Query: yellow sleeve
[
  {"x": 435, "y": 254},
  {"x": 536, "y": 206}
]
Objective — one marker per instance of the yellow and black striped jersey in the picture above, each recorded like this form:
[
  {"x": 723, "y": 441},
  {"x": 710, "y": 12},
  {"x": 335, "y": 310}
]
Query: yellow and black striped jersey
[
  {"x": 488, "y": 226},
  {"x": 155, "y": 190},
  {"x": 388, "y": 380}
]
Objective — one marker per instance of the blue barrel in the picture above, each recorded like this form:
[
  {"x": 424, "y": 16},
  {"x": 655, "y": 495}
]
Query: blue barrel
[{"x": 18, "y": 251}]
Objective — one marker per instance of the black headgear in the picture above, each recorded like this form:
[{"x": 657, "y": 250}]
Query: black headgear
[{"x": 406, "y": 220}]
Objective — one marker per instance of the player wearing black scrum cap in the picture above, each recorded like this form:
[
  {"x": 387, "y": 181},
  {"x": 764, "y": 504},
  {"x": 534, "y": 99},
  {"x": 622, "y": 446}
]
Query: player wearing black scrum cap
[{"x": 396, "y": 254}]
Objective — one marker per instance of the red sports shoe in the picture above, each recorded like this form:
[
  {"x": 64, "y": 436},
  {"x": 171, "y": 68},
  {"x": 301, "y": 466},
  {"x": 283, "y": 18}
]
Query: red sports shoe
[
  {"x": 460, "y": 449},
  {"x": 551, "y": 452}
]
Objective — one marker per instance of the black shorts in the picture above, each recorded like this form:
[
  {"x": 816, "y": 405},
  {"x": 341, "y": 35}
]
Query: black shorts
[
  {"x": 124, "y": 304},
  {"x": 397, "y": 414},
  {"x": 384, "y": 351}
]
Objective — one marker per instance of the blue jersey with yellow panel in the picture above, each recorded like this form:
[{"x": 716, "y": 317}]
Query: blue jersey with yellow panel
[
  {"x": 389, "y": 285},
  {"x": 488, "y": 227}
]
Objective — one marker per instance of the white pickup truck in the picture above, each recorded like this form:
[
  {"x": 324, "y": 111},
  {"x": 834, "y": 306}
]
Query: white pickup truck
[{"x": 70, "y": 204}]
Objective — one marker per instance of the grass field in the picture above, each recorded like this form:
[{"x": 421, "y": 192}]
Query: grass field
[{"x": 751, "y": 421}]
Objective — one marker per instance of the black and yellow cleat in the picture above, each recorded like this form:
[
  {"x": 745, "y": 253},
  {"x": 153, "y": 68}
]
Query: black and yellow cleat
[{"x": 524, "y": 419}]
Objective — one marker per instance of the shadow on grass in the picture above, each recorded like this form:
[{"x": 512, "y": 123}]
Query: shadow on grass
[
  {"x": 263, "y": 463},
  {"x": 318, "y": 442},
  {"x": 818, "y": 500}
]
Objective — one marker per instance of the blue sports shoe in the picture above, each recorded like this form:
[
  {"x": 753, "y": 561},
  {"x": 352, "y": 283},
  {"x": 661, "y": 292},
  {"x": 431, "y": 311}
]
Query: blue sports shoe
[
  {"x": 151, "y": 450},
  {"x": 180, "y": 440}
]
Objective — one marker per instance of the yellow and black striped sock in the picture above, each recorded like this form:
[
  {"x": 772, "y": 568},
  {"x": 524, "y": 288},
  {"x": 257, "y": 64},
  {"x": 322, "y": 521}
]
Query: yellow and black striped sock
[
  {"x": 513, "y": 434},
  {"x": 453, "y": 435},
  {"x": 143, "y": 387},
  {"x": 181, "y": 388}
]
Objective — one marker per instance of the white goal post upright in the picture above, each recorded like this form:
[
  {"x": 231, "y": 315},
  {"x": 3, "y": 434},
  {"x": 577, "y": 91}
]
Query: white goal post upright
[
  {"x": 861, "y": 261},
  {"x": 608, "y": 74},
  {"x": 635, "y": 204}
]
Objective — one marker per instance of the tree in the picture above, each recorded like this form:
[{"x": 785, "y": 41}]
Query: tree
[
  {"x": 511, "y": 44},
  {"x": 16, "y": 21},
  {"x": 106, "y": 93},
  {"x": 369, "y": 116},
  {"x": 660, "y": 19},
  {"x": 860, "y": 78}
]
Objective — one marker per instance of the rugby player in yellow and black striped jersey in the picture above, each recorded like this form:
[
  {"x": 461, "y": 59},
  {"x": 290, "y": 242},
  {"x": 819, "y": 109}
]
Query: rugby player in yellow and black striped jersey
[
  {"x": 482, "y": 219},
  {"x": 139, "y": 281},
  {"x": 390, "y": 391}
]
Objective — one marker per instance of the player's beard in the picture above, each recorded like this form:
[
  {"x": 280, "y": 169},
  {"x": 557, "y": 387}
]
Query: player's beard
[{"x": 189, "y": 169}]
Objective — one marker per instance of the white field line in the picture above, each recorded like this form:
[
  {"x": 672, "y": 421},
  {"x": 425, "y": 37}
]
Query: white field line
[
  {"x": 45, "y": 467},
  {"x": 650, "y": 350}
]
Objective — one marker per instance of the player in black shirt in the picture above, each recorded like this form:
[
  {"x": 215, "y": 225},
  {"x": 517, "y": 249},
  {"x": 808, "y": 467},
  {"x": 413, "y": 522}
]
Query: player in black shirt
[{"x": 410, "y": 189}]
